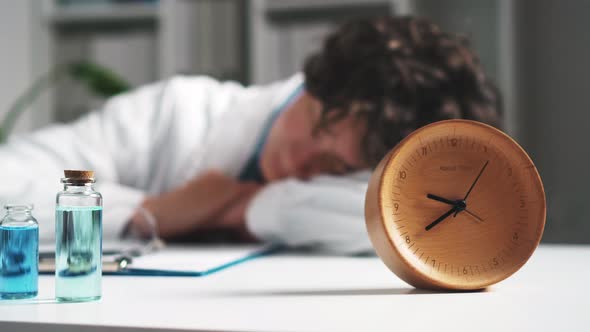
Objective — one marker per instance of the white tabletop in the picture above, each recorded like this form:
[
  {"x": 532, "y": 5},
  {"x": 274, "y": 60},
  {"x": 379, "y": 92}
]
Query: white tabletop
[{"x": 322, "y": 293}]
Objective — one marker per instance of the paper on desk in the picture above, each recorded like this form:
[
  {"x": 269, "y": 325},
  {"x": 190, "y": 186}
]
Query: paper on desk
[{"x": 194, "y": 258}]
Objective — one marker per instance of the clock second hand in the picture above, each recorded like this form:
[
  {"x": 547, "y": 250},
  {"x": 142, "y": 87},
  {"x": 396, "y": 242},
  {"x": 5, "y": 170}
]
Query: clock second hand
[{"x": 473, "y": 215}]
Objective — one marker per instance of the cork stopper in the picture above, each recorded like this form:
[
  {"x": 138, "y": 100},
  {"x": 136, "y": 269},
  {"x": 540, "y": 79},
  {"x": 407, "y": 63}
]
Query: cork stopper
[
  {"x": 81, "y": 175},
  {"x": 77, "y": 176}
]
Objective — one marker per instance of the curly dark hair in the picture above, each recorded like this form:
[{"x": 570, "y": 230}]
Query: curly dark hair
[{"x": 399, "y": 73}]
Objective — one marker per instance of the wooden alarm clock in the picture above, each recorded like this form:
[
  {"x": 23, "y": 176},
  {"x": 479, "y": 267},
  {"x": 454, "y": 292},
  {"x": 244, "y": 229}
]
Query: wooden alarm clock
[{"x": 456, "y": 205}]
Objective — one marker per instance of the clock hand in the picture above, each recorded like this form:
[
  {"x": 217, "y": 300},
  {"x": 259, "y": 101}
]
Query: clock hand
[
  {"x": 473, "y": 215},
  {"x": 473, "y": 184},
  {"x": 476, "y": 179},
  {"x": 441, "y": 199},
  {"x": 454, "y": 203},
  {"x": 441, "y": 218}
]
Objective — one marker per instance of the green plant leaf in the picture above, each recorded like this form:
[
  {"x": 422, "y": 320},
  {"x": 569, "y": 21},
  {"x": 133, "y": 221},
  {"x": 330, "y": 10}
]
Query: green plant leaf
[{"x": 100, "y": 80}]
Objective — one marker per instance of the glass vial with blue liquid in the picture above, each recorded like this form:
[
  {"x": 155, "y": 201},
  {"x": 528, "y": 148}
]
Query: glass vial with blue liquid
[
  {"x": 19, "y": 253},
  {"x": 78, "y": 236}
]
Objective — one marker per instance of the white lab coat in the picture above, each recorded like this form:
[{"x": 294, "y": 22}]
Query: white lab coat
[{"x": 159, "y": 136}]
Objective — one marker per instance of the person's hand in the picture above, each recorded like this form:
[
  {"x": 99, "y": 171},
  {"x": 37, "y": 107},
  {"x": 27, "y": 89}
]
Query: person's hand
[
  {"x": 234, "y": 214},
  {"x": 208, "y": 200}
]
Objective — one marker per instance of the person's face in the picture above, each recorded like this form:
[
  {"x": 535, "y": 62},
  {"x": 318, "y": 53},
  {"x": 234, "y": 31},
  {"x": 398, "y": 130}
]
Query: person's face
[{"x": 292, "y": 149}]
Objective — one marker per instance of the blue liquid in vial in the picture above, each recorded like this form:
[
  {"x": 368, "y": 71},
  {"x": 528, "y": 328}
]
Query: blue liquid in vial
[
  {"x": 19, "y": 259},
  {"x": 78, "y": 265}
]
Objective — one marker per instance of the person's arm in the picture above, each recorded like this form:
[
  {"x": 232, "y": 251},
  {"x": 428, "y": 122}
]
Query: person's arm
[
  {"x": 112, "y": 142},
  {"x": 325, "y": 213},
  {"x": 210, "y": 200}
]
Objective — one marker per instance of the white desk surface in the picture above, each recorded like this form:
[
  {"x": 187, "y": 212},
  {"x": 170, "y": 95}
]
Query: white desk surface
[{"x": 321, "y": 293}]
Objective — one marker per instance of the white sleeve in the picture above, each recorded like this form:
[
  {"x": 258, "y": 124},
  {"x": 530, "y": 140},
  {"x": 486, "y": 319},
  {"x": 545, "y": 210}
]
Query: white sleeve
[
  {"x": 325, "y": 213},
  {"x": 113, "y": 142}
]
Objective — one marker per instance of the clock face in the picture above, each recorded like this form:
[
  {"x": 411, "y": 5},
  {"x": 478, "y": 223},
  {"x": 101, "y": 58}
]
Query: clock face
[{"x": 456, "y": 205}]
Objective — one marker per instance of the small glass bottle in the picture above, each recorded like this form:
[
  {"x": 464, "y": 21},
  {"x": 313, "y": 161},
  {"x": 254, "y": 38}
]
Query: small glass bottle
[
  {"x": 19, "y": 253},
  {"x": 78, "y": 236}
]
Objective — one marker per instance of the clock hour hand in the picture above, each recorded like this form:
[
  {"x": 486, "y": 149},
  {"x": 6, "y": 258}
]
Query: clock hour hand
[
  {"x": 441, "y": 199},
  {"x": 441, "y": 218},
  {"x": 454, "y": 203}
]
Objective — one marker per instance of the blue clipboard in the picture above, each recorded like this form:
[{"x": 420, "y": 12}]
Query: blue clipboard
[{"x": 140, "y": 272}]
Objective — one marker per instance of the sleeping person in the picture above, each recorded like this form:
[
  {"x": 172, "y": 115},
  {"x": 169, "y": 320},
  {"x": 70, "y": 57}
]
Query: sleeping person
[{"x": 286, "y": 162}]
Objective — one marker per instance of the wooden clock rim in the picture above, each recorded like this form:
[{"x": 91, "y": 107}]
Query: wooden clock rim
[{"x": 382, "y": 239}]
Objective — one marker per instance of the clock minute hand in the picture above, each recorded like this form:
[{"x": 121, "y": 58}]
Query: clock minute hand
[
  {"x": 441, "y": 218},
  {"x": 476, "y": 179},
  {"x": 473, "y": 184}
]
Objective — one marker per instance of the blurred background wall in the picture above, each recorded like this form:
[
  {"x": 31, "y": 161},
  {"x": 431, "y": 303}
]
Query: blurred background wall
[
  {"x": 536, "y": 50},
  {"x": 554, "y": 109},
  {"x": 15, "y": 57}
]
